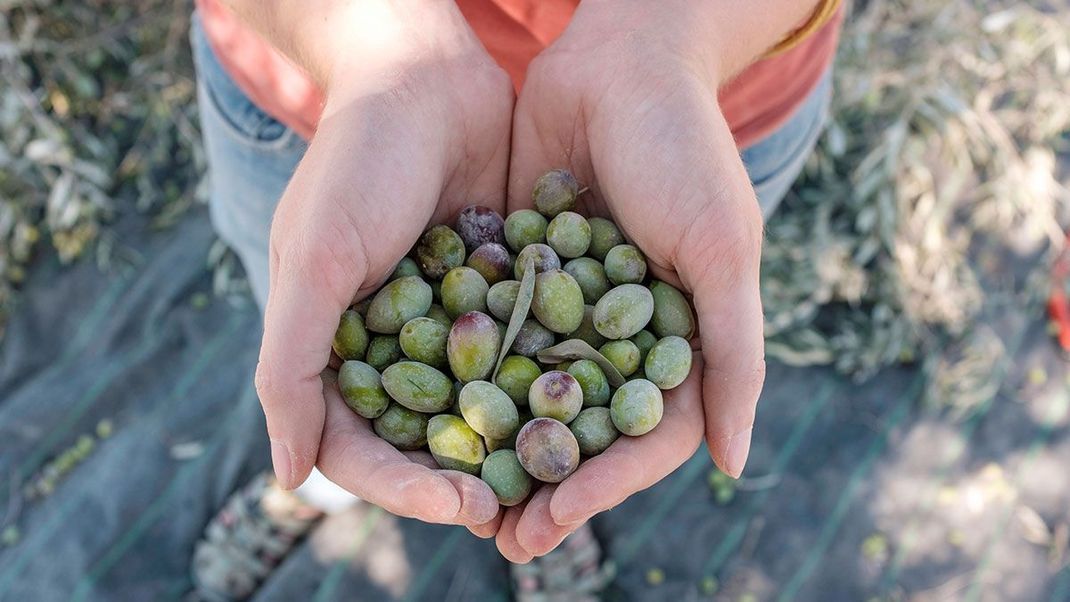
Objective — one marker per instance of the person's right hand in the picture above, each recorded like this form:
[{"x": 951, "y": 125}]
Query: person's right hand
[
  {"x": 626, "y": 99},
  {"x": 416, "y": 125}
]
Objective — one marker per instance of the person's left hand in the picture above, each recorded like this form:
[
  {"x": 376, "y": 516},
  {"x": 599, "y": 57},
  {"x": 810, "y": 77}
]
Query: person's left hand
[{"x": 627, "y": 100}]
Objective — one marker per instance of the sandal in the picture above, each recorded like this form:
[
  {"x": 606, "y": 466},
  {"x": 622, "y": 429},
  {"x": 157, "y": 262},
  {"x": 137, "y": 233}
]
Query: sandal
[
  {"x": 574, "y": 572},
  {"x": 259, "y": 524}
]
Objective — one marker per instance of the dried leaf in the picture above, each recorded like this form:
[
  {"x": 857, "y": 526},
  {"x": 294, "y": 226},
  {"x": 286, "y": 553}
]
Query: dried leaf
[
  {"x": 520, "y": 312},
  {"x": 576, "y": 349}
]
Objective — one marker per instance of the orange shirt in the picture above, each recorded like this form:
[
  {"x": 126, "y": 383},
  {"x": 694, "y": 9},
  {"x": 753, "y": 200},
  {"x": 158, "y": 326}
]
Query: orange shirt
[{"x": 755, "y": 103}]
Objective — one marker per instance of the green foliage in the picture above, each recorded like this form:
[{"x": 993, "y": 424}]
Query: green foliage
[
  {"x": 97, "y": 118},
  {"x": 940, "y": 162}
]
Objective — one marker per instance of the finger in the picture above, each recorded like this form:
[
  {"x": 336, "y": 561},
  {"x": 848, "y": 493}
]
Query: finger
[
  {"x": 733, "y": 385},
  {"x": 490, "y": 528},
  {"x": 479, "y": 505},
  {"x": 722, "y": 271},
  {"x": 506, "y": 538},
  {"x": 632, "y": 464},
  {"x": 733, "y": 378},
  {"x": 355, "y": 458},
  {"x": 298, "y": 330},
  {"x": 536, "y": 530}
]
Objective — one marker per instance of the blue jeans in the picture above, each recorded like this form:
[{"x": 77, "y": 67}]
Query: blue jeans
[{"x": 251, "y": 157}]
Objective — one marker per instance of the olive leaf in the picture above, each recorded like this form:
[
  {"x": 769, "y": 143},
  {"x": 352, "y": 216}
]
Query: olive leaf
[
  {"x": 520, "y": 312},
  {"x": 577, "y": 349}
]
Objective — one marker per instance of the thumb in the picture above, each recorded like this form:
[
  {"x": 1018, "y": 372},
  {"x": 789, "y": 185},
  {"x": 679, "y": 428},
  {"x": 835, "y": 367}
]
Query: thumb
[
  {"x": 311, "y": 285},
  {"x": 721, "y": 268}
]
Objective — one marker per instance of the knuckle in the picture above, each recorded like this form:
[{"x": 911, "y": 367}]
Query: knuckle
[
  {"x": 742, "y": 383},
  {"x": 269, "y": 385},
  {"x": 330, "y": 258},
  {"x": 334, "y": 267},
  {"x": 726, "y": 249},
  {"x": 745, "y": 379},
  {"x": 754, "y": 379}
]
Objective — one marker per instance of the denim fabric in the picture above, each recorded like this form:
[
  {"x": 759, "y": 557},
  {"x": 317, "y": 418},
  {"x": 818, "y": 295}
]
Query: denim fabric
[
  {"x": 775, "y": 161},
  {"x": 251, "y": 157}
]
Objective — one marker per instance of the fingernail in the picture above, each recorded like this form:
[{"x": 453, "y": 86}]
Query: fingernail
[
  {"x": 573, "y": 522},
  {"x": 573, "y": 517},
  {"x": 280, "y": 459},
  {"x": 735, "y": 456}
]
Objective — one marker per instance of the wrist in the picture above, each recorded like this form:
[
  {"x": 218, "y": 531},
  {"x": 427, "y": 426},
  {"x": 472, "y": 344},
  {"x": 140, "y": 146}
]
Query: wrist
[
  {"x": 416, "y": 58},
  {"x": 638, "y": 32},
  {"x": 367, "y": 39},
  {"x": 331, "y": 39},
  {"x": 717, "y": 38}
]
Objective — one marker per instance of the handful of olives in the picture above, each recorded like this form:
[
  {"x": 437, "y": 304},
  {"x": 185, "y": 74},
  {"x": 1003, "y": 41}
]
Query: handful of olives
[{"x": 507, "y": 363}]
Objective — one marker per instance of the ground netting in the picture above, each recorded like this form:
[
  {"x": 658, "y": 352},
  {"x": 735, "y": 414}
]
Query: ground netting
[{"x": 852, "y": 492}]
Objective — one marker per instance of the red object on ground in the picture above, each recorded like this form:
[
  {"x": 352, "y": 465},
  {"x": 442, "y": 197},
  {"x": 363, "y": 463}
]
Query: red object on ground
[{"x": 1058, "y": 304}]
